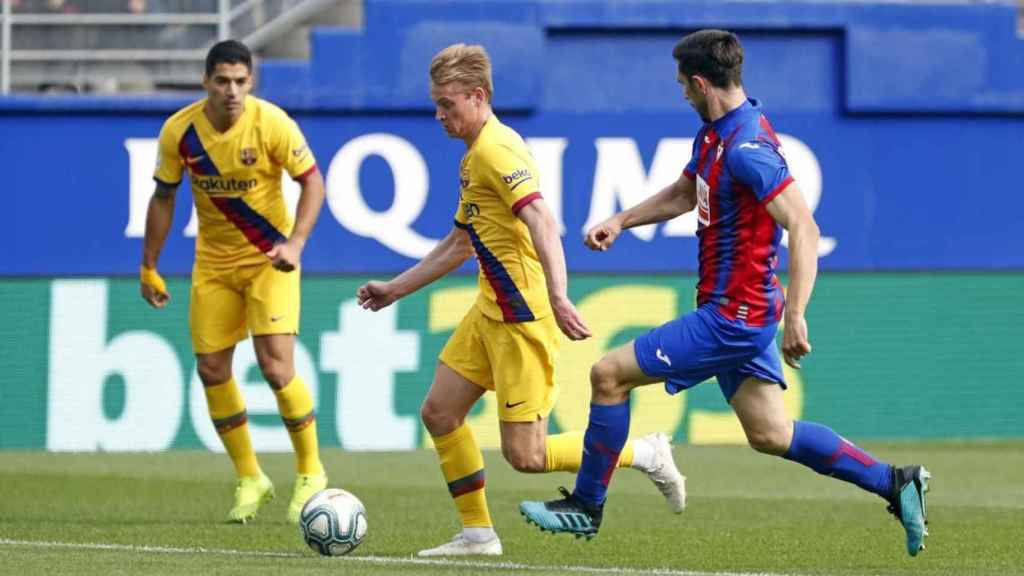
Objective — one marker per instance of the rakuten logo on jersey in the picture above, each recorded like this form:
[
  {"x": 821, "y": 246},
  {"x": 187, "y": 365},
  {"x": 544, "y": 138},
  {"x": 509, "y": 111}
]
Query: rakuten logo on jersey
[{"x": 214, "y": 186}]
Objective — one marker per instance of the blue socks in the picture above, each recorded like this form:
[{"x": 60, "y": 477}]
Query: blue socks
[
  {"x": 825, "y": 452},
  {"x": 603, "y": 441}
]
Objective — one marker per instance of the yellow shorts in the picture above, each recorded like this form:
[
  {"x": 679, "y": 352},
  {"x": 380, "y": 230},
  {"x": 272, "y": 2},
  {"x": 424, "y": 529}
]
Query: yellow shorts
[
  {"x": 226, "y": 305},
  {"x": 515, "y": 360}
]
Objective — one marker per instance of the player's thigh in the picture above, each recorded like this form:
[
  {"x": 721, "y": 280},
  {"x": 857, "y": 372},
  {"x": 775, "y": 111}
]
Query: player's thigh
[
  {"x": 465, "y": 354},
  {"x": 216, "y": 315},
  {"x": 621, "y": 368},
  {"x": 524, "y": 444},
  {"x": 275, "y": 354},
  {"x": 272, "y": 301},
  {"x": 448, "y": 401},
  {"x": 523, "y": 357},
  {"x": 762, "y": 412}
]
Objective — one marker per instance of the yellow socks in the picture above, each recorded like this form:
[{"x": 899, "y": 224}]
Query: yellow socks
[
  {"x": 296, "y": 407},
  {"x": 463, "y": 467},
  {"x": 565, "y": 453},
  {"x": 227, "y": 410}
]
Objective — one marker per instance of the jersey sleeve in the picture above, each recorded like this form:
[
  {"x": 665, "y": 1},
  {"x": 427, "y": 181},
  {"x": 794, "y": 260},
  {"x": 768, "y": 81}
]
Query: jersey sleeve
[
  {"x": 460, "y": 215},
  {"x": 760, "y": 166},
  {"x": 513, "y": 175},
  {"x": 691, "y": 167},
  {"x": 288, "y": 147},
  {"x": 169, "y": 164}
]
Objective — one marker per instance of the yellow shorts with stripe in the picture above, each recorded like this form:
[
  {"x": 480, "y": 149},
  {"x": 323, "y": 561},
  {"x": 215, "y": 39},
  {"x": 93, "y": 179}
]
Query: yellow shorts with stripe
[
  {"x": 229, "y": 304},
  {"x": 515, "y": 360}
]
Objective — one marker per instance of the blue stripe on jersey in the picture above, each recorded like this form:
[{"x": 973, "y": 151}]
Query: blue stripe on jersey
[
  {"x": 194, "y": 155},
  {"x": 257, "y": 229},
  {"x": 510, "y": 299}
]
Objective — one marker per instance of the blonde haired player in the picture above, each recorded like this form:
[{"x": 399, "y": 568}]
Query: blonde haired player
[
  {"x": 246, "y": 274},
  {"x": 508, "y": 341}
]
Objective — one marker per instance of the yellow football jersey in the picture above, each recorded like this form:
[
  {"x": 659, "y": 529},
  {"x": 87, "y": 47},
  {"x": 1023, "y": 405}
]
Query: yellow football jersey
[
  {"x": 497, "y": 178},
  {"x": 235, "y": 177}
]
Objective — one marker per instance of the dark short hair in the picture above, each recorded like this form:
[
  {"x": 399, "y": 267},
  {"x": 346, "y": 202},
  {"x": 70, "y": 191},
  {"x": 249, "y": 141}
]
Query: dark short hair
[
  {"x": 715, "y": 55},
  {"x": 228, "y": 52}
]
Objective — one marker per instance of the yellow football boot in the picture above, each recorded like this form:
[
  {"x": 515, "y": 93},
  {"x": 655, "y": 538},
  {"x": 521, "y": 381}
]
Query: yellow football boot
[
  {"x": 305, "y": 486},
  {"x": 251, "y": 493}
]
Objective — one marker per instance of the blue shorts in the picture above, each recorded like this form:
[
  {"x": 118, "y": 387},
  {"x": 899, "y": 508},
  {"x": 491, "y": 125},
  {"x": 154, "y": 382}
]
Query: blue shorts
[{"x": 702, "y": 344}]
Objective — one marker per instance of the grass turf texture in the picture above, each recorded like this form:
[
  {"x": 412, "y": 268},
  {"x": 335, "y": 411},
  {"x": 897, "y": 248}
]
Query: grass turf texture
[{"x": 746, "y": 513}]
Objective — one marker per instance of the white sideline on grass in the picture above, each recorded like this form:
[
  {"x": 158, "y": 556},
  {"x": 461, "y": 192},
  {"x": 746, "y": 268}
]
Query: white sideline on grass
[{"x": 384, "y": 560}]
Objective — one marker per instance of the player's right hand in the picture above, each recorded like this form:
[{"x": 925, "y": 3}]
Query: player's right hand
[
  {"x": 569, "y": 320},
  {"x": 375, "y": 295},
  {"x": 795, "y": 344},
  {"x": 602, "y": 236},
  {"x": 153, "y": 287}
]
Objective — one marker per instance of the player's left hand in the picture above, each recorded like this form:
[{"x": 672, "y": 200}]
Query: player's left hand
[
  {"x": 569, "y": 320},
  {"x": 285, "y": 256},
  {"x": 794, "y": 340}
]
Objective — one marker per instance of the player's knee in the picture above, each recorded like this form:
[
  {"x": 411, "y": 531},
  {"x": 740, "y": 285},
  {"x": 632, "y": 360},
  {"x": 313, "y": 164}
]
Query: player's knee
[
  {"x": 768, "y": 440},
  {"x": 604, "y": 379},
  {"x": 277, "y": 374},
  {"x": 212, "y": 373},
  {"x": 437, "y": 418},
  {"x": 524, "y": 459}
]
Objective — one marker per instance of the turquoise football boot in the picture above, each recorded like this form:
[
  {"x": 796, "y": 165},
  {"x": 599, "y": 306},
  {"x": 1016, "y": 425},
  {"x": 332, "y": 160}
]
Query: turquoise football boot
[
  {"x": 910, "y": 483},
  {"x": 567, "y": 514}
]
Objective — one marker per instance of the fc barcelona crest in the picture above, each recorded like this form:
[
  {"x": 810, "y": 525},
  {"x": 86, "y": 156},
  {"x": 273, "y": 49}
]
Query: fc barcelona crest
[{"x": 248, "y": 156}]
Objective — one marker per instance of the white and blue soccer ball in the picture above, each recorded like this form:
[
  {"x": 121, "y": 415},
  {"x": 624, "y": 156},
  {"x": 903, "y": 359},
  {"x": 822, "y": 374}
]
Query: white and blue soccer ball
[{"x": 333, "y": 522}]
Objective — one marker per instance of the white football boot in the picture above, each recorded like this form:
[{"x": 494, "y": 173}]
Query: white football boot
[
  {"x": 460, "y": 546},
  {"x": 664, "y": 473}
]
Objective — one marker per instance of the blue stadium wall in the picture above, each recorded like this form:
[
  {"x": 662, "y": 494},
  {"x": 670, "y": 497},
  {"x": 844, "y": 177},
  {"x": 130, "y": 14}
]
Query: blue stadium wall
[{"x": 904, "y": 125}]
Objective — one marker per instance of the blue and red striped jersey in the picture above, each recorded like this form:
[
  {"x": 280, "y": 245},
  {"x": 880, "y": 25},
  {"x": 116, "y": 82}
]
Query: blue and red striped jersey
[{"x": 738, "y": 167}]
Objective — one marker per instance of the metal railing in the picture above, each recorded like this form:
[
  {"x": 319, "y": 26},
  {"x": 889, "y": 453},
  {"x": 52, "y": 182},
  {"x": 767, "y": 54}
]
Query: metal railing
[{"x": 89, "y": 46}]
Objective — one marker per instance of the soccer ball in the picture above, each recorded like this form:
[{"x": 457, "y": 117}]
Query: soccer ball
[{"x": 333, "y": 522}]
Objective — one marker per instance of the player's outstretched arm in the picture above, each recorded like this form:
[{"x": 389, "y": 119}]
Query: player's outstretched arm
[
  {"x": 677, "y": 198},
  {"x": 448, "y": 255},
  {"x": 159, "y": 216},
  {"x": 791, "y": 212},
  {"x": 544, "y": 233},
  {"x": 286, "y": 255}
]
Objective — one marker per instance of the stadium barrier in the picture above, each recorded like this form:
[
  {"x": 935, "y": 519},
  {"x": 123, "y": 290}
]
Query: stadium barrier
[{"x": 91, "y": 367}]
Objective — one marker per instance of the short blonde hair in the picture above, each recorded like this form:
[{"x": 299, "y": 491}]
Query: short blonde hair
[{"x": 468, "y": 65}]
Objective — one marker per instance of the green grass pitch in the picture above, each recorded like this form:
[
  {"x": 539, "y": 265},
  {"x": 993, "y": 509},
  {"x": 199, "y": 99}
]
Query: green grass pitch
[{"x": 747, "y": 514}]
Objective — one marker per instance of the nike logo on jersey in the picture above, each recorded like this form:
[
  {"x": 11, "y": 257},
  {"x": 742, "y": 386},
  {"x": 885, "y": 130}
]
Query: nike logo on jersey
[
  {"x": 507, "y": 405},
  {"x": 276, "y": 318},
  {"x": 750, "y": 145},
  {"x": 194, "y": 159},
  {"x": 661, "y": 356}
]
